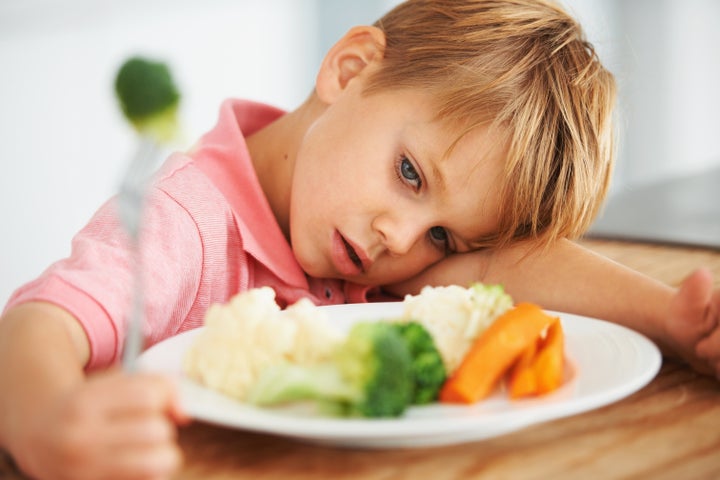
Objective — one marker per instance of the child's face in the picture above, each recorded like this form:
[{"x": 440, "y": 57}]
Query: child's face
[{"x": 373, "y": 200}]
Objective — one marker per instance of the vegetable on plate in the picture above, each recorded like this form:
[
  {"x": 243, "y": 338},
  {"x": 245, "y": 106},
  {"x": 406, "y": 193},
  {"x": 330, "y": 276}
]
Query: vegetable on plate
[
  {"x": 370, "y": 376},
  {"x": 380, "y": 367},
  {"x": 540, "y": 369},
  {"x": 427, "y": 367},
  {"x": 496, "y": 350}
]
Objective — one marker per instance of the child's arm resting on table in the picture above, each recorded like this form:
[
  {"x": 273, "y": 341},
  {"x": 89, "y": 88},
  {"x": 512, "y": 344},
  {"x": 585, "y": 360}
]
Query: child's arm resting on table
[
  {"x": 684, "y": 322},
  {"x": 59, "y": 425}
]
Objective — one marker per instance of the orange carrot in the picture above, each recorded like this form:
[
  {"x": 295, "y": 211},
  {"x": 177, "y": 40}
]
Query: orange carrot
[
  {"x": 544, "y": 371},
  {"x": 549, "y": 364},
  {"x": 523, "y": 381},
  {"x": 494, "y": 352}
]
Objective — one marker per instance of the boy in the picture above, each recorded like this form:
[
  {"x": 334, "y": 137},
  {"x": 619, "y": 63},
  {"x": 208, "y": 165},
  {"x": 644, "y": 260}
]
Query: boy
[{"x": 453, "y": 141}]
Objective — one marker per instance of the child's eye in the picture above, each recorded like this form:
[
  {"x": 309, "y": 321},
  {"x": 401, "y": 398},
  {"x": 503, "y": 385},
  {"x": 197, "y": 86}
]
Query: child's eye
[
  {"x": 409, "y": 174},
  {"x": 439, "y": 237}
]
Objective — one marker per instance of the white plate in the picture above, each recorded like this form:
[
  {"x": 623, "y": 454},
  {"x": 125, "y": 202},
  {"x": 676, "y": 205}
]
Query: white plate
[{"x": 606, "y": 363}]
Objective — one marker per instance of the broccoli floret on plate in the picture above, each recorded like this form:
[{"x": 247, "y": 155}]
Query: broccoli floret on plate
[
  {"x": 428, "y": 369},
  {"x": 148, "y": 97},
  {"x": 370, "y": 376}
]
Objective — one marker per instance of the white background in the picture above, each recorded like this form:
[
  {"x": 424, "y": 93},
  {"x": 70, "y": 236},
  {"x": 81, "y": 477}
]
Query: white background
[{"x": 63, "y": 143}]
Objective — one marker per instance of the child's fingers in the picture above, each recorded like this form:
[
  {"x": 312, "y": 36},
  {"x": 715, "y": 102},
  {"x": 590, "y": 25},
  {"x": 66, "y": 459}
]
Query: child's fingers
[
  {"x": 90, "y": 457},
  {"x": 141, "y": 431},
  {"x": 176, "y": 411},
  {"x": 695, "y": 297},
  {"x": 714, "y": 310},
  {"x": 113, "y": 426},
  {"x": 135, "y": 394},
  {"x": 145, "y": 463},
  {"x": 154, "y": 392},
  {"x": 697, "y": 287},
  {"x": 708, "y": 348}
]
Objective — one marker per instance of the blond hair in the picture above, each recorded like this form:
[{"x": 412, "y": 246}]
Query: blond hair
[{"x": 523, "y": 66}]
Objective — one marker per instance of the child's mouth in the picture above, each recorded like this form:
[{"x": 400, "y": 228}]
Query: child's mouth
[{"x": 352, "y": 254}]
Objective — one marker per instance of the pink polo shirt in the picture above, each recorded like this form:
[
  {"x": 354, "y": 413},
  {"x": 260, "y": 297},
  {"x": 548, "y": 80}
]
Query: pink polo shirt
[{"x": 209, "y": 233}]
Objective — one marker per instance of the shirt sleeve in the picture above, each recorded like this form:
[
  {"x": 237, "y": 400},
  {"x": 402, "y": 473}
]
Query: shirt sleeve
[{"x": 95, "y": 283}]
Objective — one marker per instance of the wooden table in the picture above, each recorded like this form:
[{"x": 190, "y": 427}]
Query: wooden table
[{"x": 669, "y": 429}]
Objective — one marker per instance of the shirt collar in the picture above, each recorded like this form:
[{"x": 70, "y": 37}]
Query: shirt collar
[{"x": 223, "y": 154}]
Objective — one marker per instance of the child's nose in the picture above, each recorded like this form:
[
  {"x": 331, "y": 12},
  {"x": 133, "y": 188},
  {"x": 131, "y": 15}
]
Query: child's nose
[{"x": 398, "y": 234}]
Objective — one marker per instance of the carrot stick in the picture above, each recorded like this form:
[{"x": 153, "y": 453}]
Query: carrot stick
[
  {"x": 549, "y": 364},
  {"x": 493, "y": 352},
  {"x": 523, "y": 381},
  {"x": 543, "y": 372}
]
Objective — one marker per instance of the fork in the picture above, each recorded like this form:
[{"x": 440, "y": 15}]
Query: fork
[{"x": 131, "y": 199}]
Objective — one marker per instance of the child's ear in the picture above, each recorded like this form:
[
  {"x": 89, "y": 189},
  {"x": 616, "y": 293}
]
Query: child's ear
[{"x": 357, "y": 49}]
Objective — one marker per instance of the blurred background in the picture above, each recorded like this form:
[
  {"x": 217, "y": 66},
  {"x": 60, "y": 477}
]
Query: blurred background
[{"x": 64, "y": 144}]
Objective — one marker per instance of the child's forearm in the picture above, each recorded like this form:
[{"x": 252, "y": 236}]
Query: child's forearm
[
  {"x": 42, "y": 354},
  {"x": 566, "y": 277},
  {"x": 570, "y": 278}
]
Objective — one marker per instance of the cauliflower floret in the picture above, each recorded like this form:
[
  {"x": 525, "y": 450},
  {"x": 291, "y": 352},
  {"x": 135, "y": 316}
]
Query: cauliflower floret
[
  {"x": 250, "y": 333},
  {"x": 455, "y": 316},
  {"x": 314, "y": 340}
]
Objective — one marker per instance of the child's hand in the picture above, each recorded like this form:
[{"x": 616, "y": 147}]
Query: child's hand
[
  {"x": 693, "y": 323},
  {"x": 115, "y": 426}
]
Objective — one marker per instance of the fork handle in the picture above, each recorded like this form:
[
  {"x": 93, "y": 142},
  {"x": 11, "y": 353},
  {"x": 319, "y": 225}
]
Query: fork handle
[{"x": 130, "y": 204}]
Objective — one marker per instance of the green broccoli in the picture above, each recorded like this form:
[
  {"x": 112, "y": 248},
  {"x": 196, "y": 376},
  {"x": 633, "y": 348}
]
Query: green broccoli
[
  {"x": 148, "y": 97},
  {"x": 428, "y": 369},
  {"x": 369, "y": 376}
]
